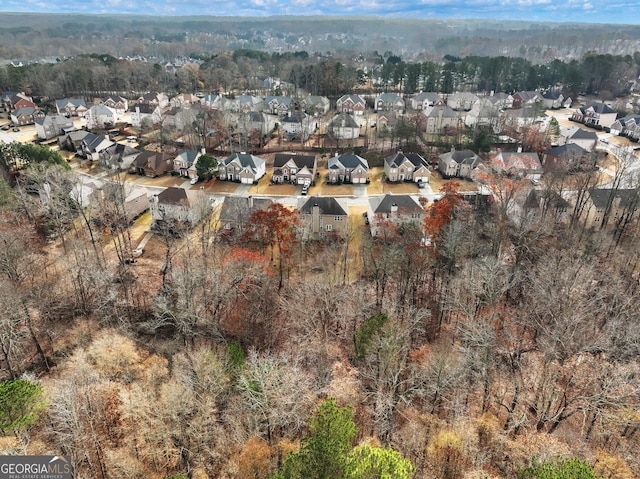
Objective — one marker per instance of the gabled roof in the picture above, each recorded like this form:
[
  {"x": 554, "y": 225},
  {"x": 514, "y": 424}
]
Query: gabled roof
[
  {"x": 188, "y": 156},
  {"x": 462, "y": 157},
  {"x": 426, "y": 95},
  {"x": 174, "y": 196},
  {"x": 300, "y": 161},
  {"x": 121, "y": 150},
  {"x": 580, "y": 134},
  {"x": 233, "y": 206},
  {"x": 552, "y": 197},
  {"x": 295, "y": 117},
  {"x": 405, "y": 203},
  {"x": 600, "y": 108},
  {"x": 24, "y": 111},
  {"x": 442, "y": 111},
  {"x": 552, "y": 95},
  {"x": 507, "y": 161},
  {"x": 568, "y": 150},
  {"x": 527, "y": 96},
  {"x": 396, "y": 160},
  {"x": 389, "y": 98},
  {"x": 57, "y": 120},
  {"x": 146, "y": 108},
  {"x": 601, "y": 196},
  {"x": 344, "y": 120},
  {"x": 75, "y": 102},
  {"x": 101, "y": 110},
  {"x": 327, "y": 205},
  {"x": 354, "y": 99},
  {"x": 348, "y": 161},
  {"x": 152, "y": 158},
  {"x": 244, "y": 160},
  {"x": 280, "y": 100}
]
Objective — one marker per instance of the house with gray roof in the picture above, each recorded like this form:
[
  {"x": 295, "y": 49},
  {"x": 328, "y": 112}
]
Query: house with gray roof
[
  {"x": 279, "y": 105},
  {"x": 323, "y": 216},
  {"x": 294, "y": 168},
  {"x": 457, "y": 163},
  {"x": 236, "y": 211},
  {"x": 91, "y": 146},
  {"x": 145, "y": 112},
  {"x": 242, "y": 168},
  {"x": 595, "y": 115},
  {"x": 185, "y": 163},
  {"x": 343, "y": 126},
  {"x": 50, "y": 126},
  {"x": 354, "y": 104},
  {"x": 463, "y": 100},
  {"x": 441, "y": 118},
  {"x": 316, "y": 105},
  {"x": 389, "y": 102},
  {"x": 628, "y": 126},
  {"x": 100, "y": 117},
  {"x": 177, "y": 206},
  {"x": 71, "y": 107},
  {"x": 25, "y": 115},
  {"x": 569, "y": 157},
  {"x": 348, "y": 168},
  {"x": 424, "y": 100},
  {"x": 578, "y": 136},
  {"x": 118, "y": 156},
  {"x": 406, "y": 167},
  {"x": 390, "y": 211},
  {"x": 608, "y": 207},
  {"x": 555, "y": 99},
  {"x": 298, "y": 126},
  {"x": 117, "y": 103}
]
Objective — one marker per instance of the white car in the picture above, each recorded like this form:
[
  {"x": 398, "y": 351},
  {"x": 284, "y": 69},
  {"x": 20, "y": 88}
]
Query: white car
[{"x": 194, "y": 180}]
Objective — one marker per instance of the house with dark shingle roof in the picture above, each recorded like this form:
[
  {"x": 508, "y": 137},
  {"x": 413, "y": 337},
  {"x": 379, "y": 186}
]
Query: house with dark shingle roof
[
  {"x": 152, "y": 163},
  {"x": 392, "y": 211},
  {"x": 440, "y": 118},
  {"x": 389, "y": 102},
  {"x": 595, "y": 115},
  {"x": 567, "y": 157},
  {"x": 348, "y": 168},
  {"x": 343, "y": 126},
  {"x": 50, "y": 126},
  {"x": 118, "y": 156},
  {"x": 322, "y": 216},
  {"x": 547, "y": 202},
  {"x": 71, "y": 107},
  {"x": 185, "y": 163},
  {"x": 314, "y": 104},
  {"x": 628, "y": 126},
  {"x": 236, "y": 211},
  {"x": 293, "y": 168},
  {"x": 583, "y": 138},
  {"x": 457, "y": 163},
  {"x": 406, "y": 167},
  {"x": 611, "y": 206},
  {"x": 241, "y": 167},
  {"x": 351, "y": 104},
  {"x": 176, "y": 205},
  {"x": 25, "y": 115},
  {"x": 424, "y": 100},
  {"x": 554, "y": 100}
]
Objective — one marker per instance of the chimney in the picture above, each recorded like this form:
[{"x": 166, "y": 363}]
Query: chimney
[
  {"x": 315, "y": 219},
  {"x": 519, "y": 148},
  {"x": 250, "y": 201},
  {"x": 203, "y": 150},
  {"x": 394, "y": 208}
]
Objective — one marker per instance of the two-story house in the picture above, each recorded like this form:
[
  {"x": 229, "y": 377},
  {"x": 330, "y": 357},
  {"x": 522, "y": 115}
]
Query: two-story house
[
  {"x": 348, "y": 168},
  {"x": 50, "y": 126},
  {"x": 389, "y": 102},
  {"x": 343, "y": 126},
  {"x": 298, "y": 125},
  {"x": 406, "y": 167},
  {"x": 100, "y": 117},
  {"x": 323, "y": 216},
  {"x": 152, "y": 163},
  {"x": 393, "y": 210},
  {"x": 293, "y": 168},
  {"x": 457, "y": 163},
  {"x": 354, "y": 104},
  {"x": 242, "y": 167},
  {"x": 185, "y": 163},
  {"x": 71, "y": 107},
  {"x": 441, "y": 118},
  {"x": 595, "y": 115},
  {"x": 177, "y": 206}
]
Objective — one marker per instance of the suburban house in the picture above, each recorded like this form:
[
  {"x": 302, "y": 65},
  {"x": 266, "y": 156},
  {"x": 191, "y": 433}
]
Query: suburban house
[
  {"x": 145, "y": 112},
  {"x": 628, "y": 126},
  {"x": 213, "y": 101},
  {"x": 424, "y": 100},
  {"x": 152, "y": 163},
  {"x": 457, "y": 163},
  {"x": 176, "y": 205},
  {"x": 279, "y": 105},
  {"x": 92, "y": 145},
  {"x": 501, "y": 100},
  {"x": 179, "y": 118},
  {"x": 483, "y": 113},
  {"x": 343, "y": 127},
  {"x": 595, "y": 114},
  {"x": 11, "y": 100},
  {"x": 406, "y": 167},
  {"x": 389, "y": 102},
  {"x": 72, "y": 140},
  {"x": 117, "y": 103},
  {"x": 95, "y": 195},
  {"x": 250, "y": 121},
  {"x": 236, "y": 211},
  {"x": 348, "y": 168},
  {"x": 542, "y": 203},
  {"x": 243, "y": 103},
  {"x": 441, "y": 118},
  {"x": 118, "y": 156},
  {"x": 152, "y": 98},
  {"x": 185, "y": 163},
  {"x": 583, "y": 138},
  {"x": 612, "y": 206},
  {"x": 554, "y": 100},
  {"x": 386, "y": 120},
  {"x": 527, "y": 116},
  {"x": 100, "y": 117},
  {"x": 241, "y": 167},
  {"x": 316, "y": 105},
  {"x": 354, "y": 104},
  {"x": 71, "y": 107},
  {"x": 298, "y": 126},
  {"x": 183, "y": 100},
  {"x": 323, "y": 216},
  {"x": 25, "y": 116},
  {"x": 462, "y": 100},
  {"x": 523, "y": 99},
  {"x": 393, "y": 210},
  {"x": 568, "y": 157},
  {"x": 293, "y": 168},
  {"x": 519, "y": 164},
  {"x": 50, "y": 126}
]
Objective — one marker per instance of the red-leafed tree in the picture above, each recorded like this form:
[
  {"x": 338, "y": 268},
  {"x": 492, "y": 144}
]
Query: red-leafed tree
[
  {"x": 275, "y": 228},
  {"x": 441, "y": 212}
]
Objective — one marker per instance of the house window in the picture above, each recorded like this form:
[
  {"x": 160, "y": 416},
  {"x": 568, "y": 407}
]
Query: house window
[
  {"x": 597, "y": 219},
  {"x": 329, "y": 227},
  {"x": 337, "y": 218}
]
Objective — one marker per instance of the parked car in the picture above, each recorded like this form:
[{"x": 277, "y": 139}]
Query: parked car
[
  {"x": 305, "y": 190},
  {"x": 194, "y": 180},
  {"x": 5, "y": 127},
  {"x": 420, "y": 184}
]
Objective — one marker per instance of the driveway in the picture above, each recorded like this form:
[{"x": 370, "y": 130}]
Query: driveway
[{"x": 359, "y": 190}]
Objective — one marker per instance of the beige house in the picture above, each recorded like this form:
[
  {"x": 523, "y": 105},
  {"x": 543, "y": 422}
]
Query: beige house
[
  {"x": 343, "y": 127},
  {"x": 441, "y": 118},
  {"x": 236, "y": 211},
  {"x": 293, "y": 168},
  {"x": 457, "y": 163},
  {"x": 242, "y": 168},
  {"x": 612, "y": 207},
  {"x": 348, "y": 168},
  {"x": 323, "y": 216},
  {"x": 177, "y": 205},
  {"x": 595, "y": 114},
  {"x": 393, "y": 210},
  {"x": 406, "y": 167}
]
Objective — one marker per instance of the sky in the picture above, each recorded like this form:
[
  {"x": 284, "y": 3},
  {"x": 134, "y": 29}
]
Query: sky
[{"x": 584, "y": 11}]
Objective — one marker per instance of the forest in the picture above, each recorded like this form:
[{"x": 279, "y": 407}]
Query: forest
[
  {"x": 608, "y": 76},
  {"x": 505, "y": 346}
]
